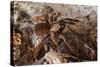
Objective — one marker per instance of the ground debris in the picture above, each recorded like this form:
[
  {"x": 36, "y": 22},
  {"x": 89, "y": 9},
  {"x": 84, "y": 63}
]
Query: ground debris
[{"x": 44, "y": 33}]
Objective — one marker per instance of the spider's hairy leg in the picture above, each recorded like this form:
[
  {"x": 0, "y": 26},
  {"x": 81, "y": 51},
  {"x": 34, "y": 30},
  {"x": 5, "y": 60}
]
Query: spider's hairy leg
[
  {"x": 53, "y": 16},
  {"x": 56, "y": 15},
  {"x": 53, "y": 38},
  {"x": 49, "y": 17},
  {"x": 69, "y": 21}
]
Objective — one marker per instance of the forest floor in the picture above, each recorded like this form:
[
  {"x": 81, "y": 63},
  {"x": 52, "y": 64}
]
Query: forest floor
[{"x": 49, "y": 33}]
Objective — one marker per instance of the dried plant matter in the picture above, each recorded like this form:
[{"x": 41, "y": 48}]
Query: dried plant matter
[{"x": 44, "y": 33}]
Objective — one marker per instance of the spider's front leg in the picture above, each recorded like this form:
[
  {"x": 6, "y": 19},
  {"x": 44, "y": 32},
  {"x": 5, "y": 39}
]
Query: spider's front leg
[
  {"x": 54, "y": 42},
  {"x": 53, "y": 32},
  {"x": 53, "y": 16}
]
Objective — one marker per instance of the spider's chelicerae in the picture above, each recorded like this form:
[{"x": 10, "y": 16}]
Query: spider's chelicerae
[{"x": 48, "y": 26}]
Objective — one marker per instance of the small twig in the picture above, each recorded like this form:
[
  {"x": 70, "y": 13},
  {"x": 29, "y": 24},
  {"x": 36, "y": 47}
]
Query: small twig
[
  {"x": 41, "y": 61},
  {"x": 69, "y": 47}
]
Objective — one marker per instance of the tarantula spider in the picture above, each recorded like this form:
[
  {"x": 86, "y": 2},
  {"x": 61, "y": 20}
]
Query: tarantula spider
[{"x": 49, "y": 26}]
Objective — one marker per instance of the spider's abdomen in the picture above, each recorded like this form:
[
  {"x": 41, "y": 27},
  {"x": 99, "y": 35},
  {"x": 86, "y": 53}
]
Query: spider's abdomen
[{"x": 41, "y": 28}]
